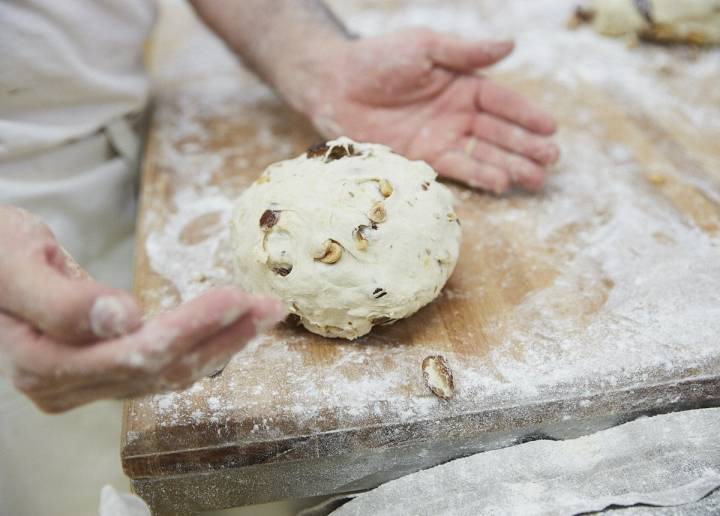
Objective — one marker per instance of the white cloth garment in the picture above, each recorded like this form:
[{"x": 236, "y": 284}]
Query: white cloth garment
[
  {"x": 71, "y": 83},
  {"x": 113, "y": 503},
  {"x": 71, "y": 76}
]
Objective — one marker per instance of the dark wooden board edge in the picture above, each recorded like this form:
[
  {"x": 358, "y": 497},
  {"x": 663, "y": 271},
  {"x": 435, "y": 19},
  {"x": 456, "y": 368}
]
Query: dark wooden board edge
[
  {"x": 207, "y": 480},
  {"x": 523, "y": 420}
]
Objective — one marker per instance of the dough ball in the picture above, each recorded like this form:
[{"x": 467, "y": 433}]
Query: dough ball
[
  {"x": 349, "y": 235},
  {"x": 617, "y": 17},
  {"x": 668, "y": 21}
]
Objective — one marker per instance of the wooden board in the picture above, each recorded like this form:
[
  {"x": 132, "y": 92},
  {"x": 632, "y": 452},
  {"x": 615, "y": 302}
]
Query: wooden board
[{"x": 570, "y": 311}]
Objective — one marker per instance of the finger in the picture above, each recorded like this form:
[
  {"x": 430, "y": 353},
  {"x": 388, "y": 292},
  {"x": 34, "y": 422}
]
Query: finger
[
  {"x": 513, "y": 107},
  {"x": 465, "y": 56},
  {"x": 262, "y": 322},
  {"x": 41, "y": 289},
  {"x": 185, "y": 368},
  {"x": 516, "y": 139},
  {"x": 461, "y": 167},
  {"x": 522, "y": 171},
  {"x": 67, "y": 266},
  {"x": 30, "y": 360},
  {"x": 14, "y": 335},
  {"x": 73, "y": 311},
  {"x": 211, "y": 355},
  {"x": 169, "y": 336},
  {"x": 59, "y": 377},
  {"x": 156, "y": 344},
  {"x": 28, "y": 235}
]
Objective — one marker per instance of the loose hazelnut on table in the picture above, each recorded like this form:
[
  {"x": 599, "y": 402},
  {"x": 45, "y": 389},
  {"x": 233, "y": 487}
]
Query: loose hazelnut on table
[{"x": 438, "y": 377}]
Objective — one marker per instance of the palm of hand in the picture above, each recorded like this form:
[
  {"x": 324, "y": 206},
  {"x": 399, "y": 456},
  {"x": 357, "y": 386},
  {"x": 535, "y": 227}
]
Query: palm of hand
[{"x": 417, "y": 92}]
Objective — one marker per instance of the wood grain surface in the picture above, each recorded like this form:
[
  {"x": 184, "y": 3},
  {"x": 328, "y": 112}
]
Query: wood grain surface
[{"x": 569, "y": 311}]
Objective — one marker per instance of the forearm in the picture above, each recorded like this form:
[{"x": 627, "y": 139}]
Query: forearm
[{"x": 283, "y": 41}]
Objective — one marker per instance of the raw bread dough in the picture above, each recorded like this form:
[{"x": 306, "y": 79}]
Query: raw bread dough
[
  {"x": 348, "y": 235},
  {"x": 689, "y": 21}
]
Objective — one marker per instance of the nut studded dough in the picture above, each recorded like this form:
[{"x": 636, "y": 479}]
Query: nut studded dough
[
  {"x": 669, "y": 21},
  {"x": 349, "y": 235}
]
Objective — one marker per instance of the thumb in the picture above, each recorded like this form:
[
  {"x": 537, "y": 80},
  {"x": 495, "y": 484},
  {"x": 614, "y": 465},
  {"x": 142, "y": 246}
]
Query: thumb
[
  {"x": 465, "y": 56},
  {"x": 64, "y": 304}
]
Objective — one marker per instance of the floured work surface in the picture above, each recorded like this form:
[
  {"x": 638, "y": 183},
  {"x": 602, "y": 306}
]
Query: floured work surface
[{"x": 569, "y": 311}]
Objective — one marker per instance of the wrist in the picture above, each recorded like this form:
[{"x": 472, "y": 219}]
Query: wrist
[{"x": 307, "y": 77}]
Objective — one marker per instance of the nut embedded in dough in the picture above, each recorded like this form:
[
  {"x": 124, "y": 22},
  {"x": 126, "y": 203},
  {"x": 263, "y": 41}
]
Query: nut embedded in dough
[
  {"x": 332, "y": 252},
  {"x": 268, "y": 219},
  {"x": 579, "y": 16},
  {"x": 657, "y": 179},
  {"x": 331, "y": 153},
  {"x": 359, "y": 234},
  {"x": 453, "y": 218},
  {"x": 377, "y": 213},
  {"x": 317, "y": 150},
  {"x": 386, "y": 188},
  {"x": 383, "y": 320},
  {"x": 340, "y": 151},
  {"x": 282, "y": 270}
]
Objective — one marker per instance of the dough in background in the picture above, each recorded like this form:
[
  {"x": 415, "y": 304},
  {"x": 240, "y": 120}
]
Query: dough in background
[
  {"x": 665, "y": 21},
  {"x": 349, "y": 235}
]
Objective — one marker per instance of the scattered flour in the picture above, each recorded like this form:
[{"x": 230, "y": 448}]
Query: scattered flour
[{"x": 659, "y": 322}]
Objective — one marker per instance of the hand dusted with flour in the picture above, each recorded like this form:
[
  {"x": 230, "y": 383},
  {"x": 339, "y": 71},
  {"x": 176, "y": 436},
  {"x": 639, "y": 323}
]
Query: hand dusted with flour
[{"x": 349, "y": 235}]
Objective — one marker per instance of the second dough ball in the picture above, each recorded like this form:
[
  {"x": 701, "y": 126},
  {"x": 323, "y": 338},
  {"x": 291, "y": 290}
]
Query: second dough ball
[{"x": 348, "y": 235}]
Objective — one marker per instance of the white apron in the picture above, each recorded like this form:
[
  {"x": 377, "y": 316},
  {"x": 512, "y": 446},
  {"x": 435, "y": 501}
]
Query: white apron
[{"x": 72, "y": 85}]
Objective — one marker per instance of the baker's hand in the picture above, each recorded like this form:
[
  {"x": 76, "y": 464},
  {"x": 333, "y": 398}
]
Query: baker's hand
[
  {"x": 66, "y": 340},
  {"x": 418, "y": 92}
]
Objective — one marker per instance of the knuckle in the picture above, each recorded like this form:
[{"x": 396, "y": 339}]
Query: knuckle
[
  {"x": 27, "y": 384},
  {"x": 26, "y": 224},
  {"x": 53, "y": 405},
  {"x": 543, "y": 151},
  {"x": 423, "y": 34},
  {"x": 178, "y": 376},
  {"x": 139, "y": 363},
  {"x": 35, "y": 379},
  {"x": 501, "y": 183},
  {"x": 65, "y": 317},
  {"x": 535, "y": 181},
  {"x": 49, "y": 403}
]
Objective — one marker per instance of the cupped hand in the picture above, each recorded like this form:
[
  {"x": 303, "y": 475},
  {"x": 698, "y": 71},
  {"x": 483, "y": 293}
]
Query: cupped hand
[
  {"x": 66, "y": 340},
  {"x": 419, "y": 92}
]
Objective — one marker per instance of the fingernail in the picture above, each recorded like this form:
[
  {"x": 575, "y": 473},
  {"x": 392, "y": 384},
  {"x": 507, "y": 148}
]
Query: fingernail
[
  {"x": 231, "y": 315},
  {"x": 276, "y": 313},
  {"x": 550, "y": 154},
  {"x": 502, "y": 46},
  {"x": 556, "y": 156},
  {"x": 111, "y": 317},
  {"x": 263, "y": 325}
]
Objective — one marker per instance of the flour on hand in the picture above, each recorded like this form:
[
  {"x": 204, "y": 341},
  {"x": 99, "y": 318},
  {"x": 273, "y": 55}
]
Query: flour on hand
[{"x": 349, "y": 235}]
